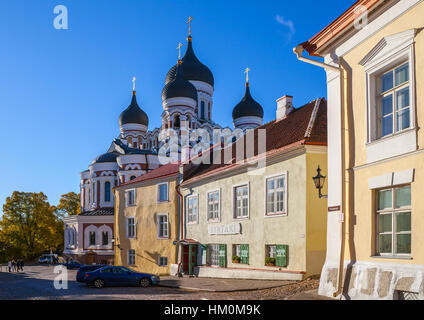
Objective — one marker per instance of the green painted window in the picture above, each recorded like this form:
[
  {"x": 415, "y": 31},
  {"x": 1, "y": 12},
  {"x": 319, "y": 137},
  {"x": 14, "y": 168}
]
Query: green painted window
[
  {"x": 223, "y": 255},
  {"x": 244, "y": 253},
  {"x": 281, "y": 256}
]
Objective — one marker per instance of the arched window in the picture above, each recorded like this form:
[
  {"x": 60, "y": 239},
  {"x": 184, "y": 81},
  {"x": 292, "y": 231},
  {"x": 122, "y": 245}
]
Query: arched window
[
  {"x": 92, "y": 238},
  {"x": 107, "y": 191},
  {"x": 177, "y": 122},
  {"x": 202, "y": 110},
  {"x": 105, "y": 238}
]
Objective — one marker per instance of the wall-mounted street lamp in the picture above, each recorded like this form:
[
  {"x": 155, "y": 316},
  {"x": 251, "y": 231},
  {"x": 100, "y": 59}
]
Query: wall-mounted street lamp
[
  {"x": 115, "y": 243},
  {"x": 319, "y": 181}
]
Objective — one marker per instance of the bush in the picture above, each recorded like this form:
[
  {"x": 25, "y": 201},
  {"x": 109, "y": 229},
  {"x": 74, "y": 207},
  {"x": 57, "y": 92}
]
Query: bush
[
  {"x": 236, "y": 259},
  {"x": 270, "y": 261}
]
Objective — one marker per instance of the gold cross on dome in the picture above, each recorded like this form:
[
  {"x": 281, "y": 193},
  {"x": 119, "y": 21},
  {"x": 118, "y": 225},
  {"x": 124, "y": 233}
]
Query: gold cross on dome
[
  {"x": 179, "y": 50},
  {"x": 246, "y": 71},
  {"x": 190, "y": 19},
  {"x": 133, "y": 81}
]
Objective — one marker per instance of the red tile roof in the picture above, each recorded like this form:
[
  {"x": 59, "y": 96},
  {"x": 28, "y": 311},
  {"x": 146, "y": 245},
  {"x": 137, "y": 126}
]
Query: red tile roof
[
  {"x": 304, "y": 126},
  {"x": 164, "y": 171}
]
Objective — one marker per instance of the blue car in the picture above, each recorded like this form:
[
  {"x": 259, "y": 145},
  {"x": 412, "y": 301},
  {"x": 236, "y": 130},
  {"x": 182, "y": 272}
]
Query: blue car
[
  {"x": 84, "y": 269},
  {"x": 72, "y": 265},
  {"x": 119, "y": 276}
]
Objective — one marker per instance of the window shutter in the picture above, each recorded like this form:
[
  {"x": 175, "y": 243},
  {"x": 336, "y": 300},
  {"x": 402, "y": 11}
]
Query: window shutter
[
  {"x": 281, "y": 255},
  {"x": 244, "y": 253},
  {"x": 135, "y": 228},
  {"x": 204, "y": 254},
  {"x": 223, "y": 255}
]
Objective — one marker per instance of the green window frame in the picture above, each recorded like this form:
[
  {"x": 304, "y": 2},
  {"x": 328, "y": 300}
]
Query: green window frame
[
  {"x": 222, "y": 255},
  {"x": 281, "y": 256},
  {"x": 244, "y": 253}
]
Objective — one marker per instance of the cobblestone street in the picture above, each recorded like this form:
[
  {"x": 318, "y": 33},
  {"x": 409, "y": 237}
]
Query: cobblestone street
[{"x": 37, "y": 283}]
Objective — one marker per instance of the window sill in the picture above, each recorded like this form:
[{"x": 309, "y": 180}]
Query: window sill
[
  {"x": 392, "y": 257},
  {"x": 241, "y": 219},
  {"x": 213, "y": 221},
  {"x": 389, "y": 137},
  {"x": 276, "y": 215}
]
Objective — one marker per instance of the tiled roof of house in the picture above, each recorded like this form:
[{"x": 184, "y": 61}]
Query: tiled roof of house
[
  {"x": 167, "y": 170},
  {"x": 305, "y": 125},
  {"x": 99, "y": 212}
]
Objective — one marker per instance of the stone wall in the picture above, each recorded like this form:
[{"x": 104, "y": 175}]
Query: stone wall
[{"x": 375, "y": 281}]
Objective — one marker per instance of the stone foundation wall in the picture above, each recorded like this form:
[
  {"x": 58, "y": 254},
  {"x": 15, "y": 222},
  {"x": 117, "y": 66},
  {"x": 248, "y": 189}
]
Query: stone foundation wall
[
  {"x": 84, "y": 259},
  {"x": 374, "y": 281},
  {"x": 228, "y": 273}
]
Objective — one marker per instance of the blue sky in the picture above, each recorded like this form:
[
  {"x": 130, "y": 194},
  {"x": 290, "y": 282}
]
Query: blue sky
[{"x": 61, "y": 91}]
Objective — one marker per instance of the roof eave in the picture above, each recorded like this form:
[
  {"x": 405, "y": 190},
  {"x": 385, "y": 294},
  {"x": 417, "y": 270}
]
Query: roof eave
[{"x": 334, "y": 30}]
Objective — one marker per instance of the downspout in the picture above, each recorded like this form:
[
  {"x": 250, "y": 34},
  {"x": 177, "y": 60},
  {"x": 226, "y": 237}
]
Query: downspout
[
  {"x": 181, "y": 227},
  {"x": 336, "y": 68}
]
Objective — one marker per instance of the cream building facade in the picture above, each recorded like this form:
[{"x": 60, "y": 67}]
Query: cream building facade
[
  {"x": 374, "y": 59},
  {"x": 267, "y": 223}
]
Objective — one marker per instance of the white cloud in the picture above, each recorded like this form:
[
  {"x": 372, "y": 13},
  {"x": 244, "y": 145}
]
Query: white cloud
[{"x": 288, "y": 24}]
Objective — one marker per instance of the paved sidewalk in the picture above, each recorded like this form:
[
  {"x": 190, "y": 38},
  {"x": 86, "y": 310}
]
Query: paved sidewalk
[
  {"x": 220, "y": 285},
  {"x": 308, "y": 295}
]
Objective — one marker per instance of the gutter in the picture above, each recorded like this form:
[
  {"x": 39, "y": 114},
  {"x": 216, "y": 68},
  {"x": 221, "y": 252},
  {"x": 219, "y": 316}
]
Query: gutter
[
  {"x": 180, "y": 235},
  {"x": 335, "y": 68},
  {"x": 298, "y": 52}
]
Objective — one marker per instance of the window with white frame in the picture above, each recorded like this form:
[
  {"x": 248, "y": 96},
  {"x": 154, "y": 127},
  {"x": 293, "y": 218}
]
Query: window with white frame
[
  {"x": 241, "y": 202},
  {"x": 131, "y": 257},
  {"x": 192, "y": 209},
  {"x": 271, "y": 251},
  {"x": 163, "y": 261},
  {"x": 163, "y": 226},
  {"x": 213, "y": 254},
  {"x": 213, "y": 205},
  {"x": 276, "y": 195},
  {"x": 162, "y": 192},
  {"x": 92, "y": 238},
  {"x": 130, "y": 197},
  {"x": 130, "y": 227},
  {"x": 394, "y": 221},
  {"x": 394, "y": 101}
]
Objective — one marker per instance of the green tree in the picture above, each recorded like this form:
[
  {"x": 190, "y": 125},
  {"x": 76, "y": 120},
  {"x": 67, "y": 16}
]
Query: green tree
[
  {"x": 69, "y": 204},
  {"x": 30, "y": 226}
]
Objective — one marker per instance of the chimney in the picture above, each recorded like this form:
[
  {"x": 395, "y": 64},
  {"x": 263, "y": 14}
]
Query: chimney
[{"x": 284, "y": 107}]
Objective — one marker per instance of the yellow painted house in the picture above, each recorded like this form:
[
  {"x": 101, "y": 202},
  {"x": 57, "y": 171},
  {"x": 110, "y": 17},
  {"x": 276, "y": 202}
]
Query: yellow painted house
[
  {"x": 259, "y": 219},
  {"x": 146, "y": 223},
  {"x": 374, "y": 60}
]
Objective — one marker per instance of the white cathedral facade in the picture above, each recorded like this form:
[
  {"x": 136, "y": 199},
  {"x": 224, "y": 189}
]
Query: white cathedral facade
[{"x": 187, "y": 101}]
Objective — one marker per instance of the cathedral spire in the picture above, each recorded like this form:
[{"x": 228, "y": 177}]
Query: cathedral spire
[
  {"x": 246, "y": 71},
  {"x": 133, "y": 81},
  {"x": 190, "y": 19}
]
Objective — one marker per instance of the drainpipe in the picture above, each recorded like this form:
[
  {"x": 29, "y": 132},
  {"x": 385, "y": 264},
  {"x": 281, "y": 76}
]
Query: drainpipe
[
  {"x": 336, "y": 68},
  {"x": 298, "y": 52},
  {"x": 181, "y": 217}
]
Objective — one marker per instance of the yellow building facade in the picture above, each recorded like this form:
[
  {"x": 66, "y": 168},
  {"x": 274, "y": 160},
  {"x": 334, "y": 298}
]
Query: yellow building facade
[
  {"x": 146, "y": 223},
  {"x": 375, "y": 77}
]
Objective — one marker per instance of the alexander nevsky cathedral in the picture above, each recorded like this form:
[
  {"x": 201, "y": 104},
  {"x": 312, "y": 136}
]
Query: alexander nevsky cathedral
[{"x": 187, "y": 101}]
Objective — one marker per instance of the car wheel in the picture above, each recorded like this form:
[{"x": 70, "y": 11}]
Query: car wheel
[
  {"x": 145, "y": 282},
  {"x": 99, "y": 283}
]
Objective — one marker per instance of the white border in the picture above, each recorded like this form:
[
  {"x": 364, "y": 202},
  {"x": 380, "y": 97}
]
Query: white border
[
  {"x": 234, "y": 202},
  {"x": 285, "y": 213}
]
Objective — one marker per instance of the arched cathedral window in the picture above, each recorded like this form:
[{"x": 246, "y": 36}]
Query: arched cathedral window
[
  {"x": 107, "y": 191},
  {"x": 202, "y": 110},
  {"x": 177, "y": 122}
]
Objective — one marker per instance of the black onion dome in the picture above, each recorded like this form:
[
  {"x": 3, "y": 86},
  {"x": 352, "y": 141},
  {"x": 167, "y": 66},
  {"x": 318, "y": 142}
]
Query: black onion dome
[
  {"x": 133, "y": 114},
  {"x": 179, "y": 87},
  {"x": 248, "y": 107},
  {"x": 106, "y": 157},
  {"x": 193, "y": 69}
]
